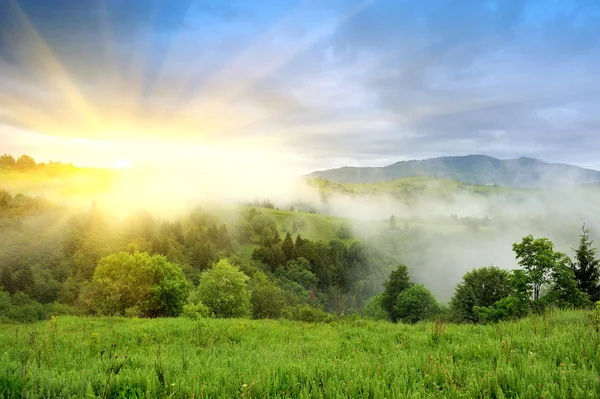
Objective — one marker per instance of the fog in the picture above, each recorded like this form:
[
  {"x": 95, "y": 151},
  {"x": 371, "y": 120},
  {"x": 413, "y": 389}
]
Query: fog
[{"x": 437, "y": 248}]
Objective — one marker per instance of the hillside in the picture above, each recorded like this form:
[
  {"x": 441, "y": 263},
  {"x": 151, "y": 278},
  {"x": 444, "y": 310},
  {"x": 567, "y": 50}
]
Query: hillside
[
  {"x": 479, "y": 169},
  {"x": 409, "y": 188}
]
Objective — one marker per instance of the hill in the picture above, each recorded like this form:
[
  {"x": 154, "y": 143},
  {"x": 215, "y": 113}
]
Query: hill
[
  {"x": 412, "y": 188},
  {"x": 479, "y": 169}
]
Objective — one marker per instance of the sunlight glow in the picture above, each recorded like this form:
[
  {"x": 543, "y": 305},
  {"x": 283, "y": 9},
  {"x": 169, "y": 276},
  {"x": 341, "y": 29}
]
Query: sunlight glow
[{"x": 123, "y": 164}]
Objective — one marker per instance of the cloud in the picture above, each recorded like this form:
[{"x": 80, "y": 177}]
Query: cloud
[{"x": 362, "y": 81}]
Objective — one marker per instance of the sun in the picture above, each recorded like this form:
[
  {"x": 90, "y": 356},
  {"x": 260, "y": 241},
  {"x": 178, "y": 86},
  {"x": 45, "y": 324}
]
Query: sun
[{"x": 122, "y": 164}]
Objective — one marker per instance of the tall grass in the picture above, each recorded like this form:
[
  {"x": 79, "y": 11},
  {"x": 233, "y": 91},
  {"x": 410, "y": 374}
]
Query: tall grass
[{"x": 551, "y": 356}]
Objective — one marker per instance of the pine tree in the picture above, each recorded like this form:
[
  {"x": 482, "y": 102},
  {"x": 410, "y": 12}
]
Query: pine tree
[
  {"x": 6, "y": 280},
  {"x": 24, "y": 280},
  {"x": 587, "y": 267},
  {"x": 288, "y": 247}
]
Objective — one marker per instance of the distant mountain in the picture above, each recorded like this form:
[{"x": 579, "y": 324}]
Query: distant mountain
[{"x": 480, "y": 169}]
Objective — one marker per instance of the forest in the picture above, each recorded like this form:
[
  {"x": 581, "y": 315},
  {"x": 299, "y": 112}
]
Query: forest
[{"x": 152, "y": 299}]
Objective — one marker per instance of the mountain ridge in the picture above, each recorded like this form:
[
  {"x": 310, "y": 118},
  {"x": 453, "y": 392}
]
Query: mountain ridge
[{"x": 474, "y": 168}]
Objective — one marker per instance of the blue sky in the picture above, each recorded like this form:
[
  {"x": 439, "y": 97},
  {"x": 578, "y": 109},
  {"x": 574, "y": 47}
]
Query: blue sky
[{"x": 331, "y": 82}]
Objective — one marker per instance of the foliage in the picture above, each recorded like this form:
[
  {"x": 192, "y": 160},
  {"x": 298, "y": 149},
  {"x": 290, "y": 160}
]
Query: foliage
[
  {"x": 224, "y": 290},
  {"x": 564, "y": 291},
  {"x": 482, "y": 288},
  {"x": 414, "y": 304},
  {"x": 7, "y": 161},
  {"x": 537, "y": 258},
  {"x": 508, "y": 308},
  {"x": 137, "y": 284},
  {"x": 267, "y": 300},
  {"x": 195, "y": 311},
  {"x": 586, "y": 267},
  {"x": 397, "y": 282},
  {"x": 298, "y": 270},
  {"x": 594, "y": 317},
  {"x": 308, "y": 314},
  {"x": 374, "y": 308},
  {"x": 260, "y": 222},
  {"x": 344, "y": 232}
]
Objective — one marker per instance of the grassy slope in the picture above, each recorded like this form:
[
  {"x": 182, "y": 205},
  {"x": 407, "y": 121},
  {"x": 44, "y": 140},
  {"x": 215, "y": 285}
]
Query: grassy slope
[
  {"x": 551, "y": 356},
  {"x": 410, "y": 187},
  {"x": 83, "y": 182}
]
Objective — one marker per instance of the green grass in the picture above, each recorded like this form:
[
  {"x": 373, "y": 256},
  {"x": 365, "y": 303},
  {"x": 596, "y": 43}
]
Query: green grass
[
  {"x": 412, "y": 188},
  {"x": 551, "y": 356}
]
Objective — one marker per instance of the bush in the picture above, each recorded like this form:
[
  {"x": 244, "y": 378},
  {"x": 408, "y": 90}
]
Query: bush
[
  {"x": 415, "y": 304},
  {"x": 374, "y": 309},
  {"x": 195, "y": 312},
  {"x": 505, "y": 309},
  {"x": 307, "y": 314},
  {"x": 480, "y": 287},
  {"x": 267, "y": 299},
  {"x": 344, "y": 232},
  {"x": 137, "y": 284},
  {"x": 260, "y": 222},
  {"x": 224, "y": 290}
]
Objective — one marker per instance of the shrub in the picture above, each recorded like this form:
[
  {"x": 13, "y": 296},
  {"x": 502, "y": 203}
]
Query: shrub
[
  {"x": 480, "y": 287},
  {"x": 266, "y": 299},
  {"x": 415, "y": 304},
  {"x": 137, "y": 284},
  {"x": 307, "y": 314},
  {"x": 505, "y": 309},
  {"x": 260, "y": 222},
  {"x": 224, "y": 290},
  {"x": 374, "y": 309},
  {"x": 195, "y": 312}
]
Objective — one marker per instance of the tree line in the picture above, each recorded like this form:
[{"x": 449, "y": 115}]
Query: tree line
[
  {"x": 54, "y": 261},
  {"x": 546, "y": 278}
]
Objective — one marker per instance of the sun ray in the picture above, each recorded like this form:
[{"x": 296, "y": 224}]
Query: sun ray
[{"x": 36, "y": 49}]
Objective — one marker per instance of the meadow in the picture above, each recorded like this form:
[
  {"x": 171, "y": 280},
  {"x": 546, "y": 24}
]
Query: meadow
[{"x": 549, "y": 356}]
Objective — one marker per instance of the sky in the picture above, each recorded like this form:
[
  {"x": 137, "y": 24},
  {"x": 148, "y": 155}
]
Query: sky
[{"x": 302, "y": 85}]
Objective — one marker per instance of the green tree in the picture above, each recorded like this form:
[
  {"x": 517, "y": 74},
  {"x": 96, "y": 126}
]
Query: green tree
[
  {"x": 260, "y": 222},
  {"x": 137, "y": 284},
  {"x": 414, "y": 304},
  {"x": 24, "y": 280},
  {"x": 288, "y": 247},
  {"x": 537, "y": 258},
  {"x": 398, "y": 281},
  {"x": 298, "y": 270},
  {"x": 25, "y": 162},
  {"x": 586, "y": 267},
  {"x": 564, "y": 291},
  {"x": 7, "y": 161},
  {"x": 224, "y": 289},
  {"x": 6, "y": 280},
  {"x": 266, "y": 300},
  {"x": 480, "y": 287},
  {"x": 374, "y": 308},
  {"x": 344, "y": 232},
  {"x": 245, "y": 231}
]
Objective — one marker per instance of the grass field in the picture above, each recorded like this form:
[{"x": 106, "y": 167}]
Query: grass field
[{"x": 551, "y": 356}]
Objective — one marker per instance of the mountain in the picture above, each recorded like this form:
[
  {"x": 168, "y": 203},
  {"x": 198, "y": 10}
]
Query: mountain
[{"x": 480, "y": 169}]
